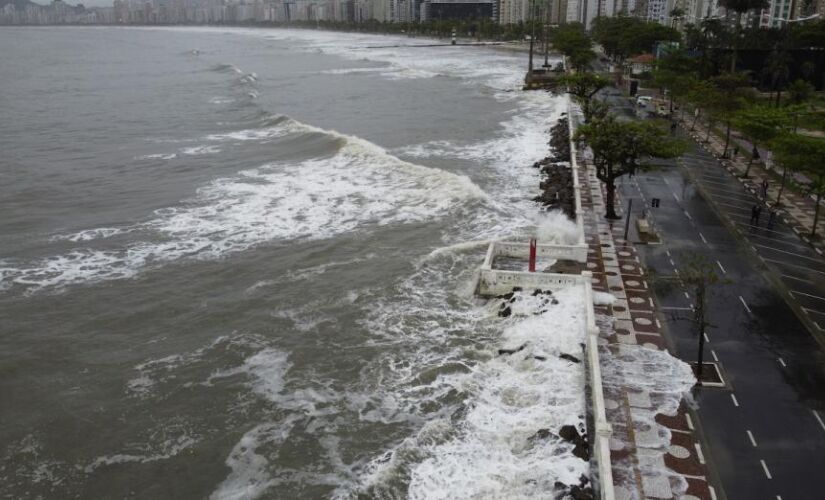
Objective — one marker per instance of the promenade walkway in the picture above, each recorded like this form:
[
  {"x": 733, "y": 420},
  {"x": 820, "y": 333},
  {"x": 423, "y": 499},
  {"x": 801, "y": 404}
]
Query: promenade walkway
[{"x": 644, "y": 464}]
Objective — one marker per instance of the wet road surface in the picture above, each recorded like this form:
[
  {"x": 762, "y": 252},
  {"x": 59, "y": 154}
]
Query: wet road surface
[{"x": 764, "y": 431}]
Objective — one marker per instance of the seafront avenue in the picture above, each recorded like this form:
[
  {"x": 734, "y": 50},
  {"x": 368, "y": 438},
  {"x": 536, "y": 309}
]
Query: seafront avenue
[{"x": 764, "y": 431}]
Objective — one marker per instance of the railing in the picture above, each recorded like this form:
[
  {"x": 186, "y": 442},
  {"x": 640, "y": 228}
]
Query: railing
[
  {"x": 602, "y": 429},
  {"x": 574, "y": 166},
  {"x": 498, "y": 282},
  {"x": 522, "y": 251}
]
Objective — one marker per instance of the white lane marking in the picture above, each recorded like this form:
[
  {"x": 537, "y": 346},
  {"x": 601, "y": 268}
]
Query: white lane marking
[
  {"x": 667, "y": 252},
  {"x": 687, "y": 215},
  {"x": 703, "y": 238},
  {"x": 658, "y": 325},
  {"x": 819, "y": 419},
  {"x": 792, "y": 265},
  {"x": 699, "y": 453},
  {"x": 781, "y": 239},
  {"x": 735, "y": 402},
  {"x": 787, "y": 252},
  {"x": 720, "y": 267},
  {"x": 672, "y": 263},
  {"x": 778, "y": 497},
  {"x": 782, "y": 362},
  {"x": 765, "y": 468},
  {"x": 676, "y": 197},
  {"x": 689, "y": 421},
  {"x": 750, "y": 436},
  {"x": 687, "y": 295},
  {"x": 808, "y": 295},
  {"x": 674, "y": 308},
  {"x": 715, "y": 357},
  {"x": 706, "y": 338},
  {"x": 795, "y": 278},
  {"x": 745, "y": 304},
  {"x": 712, "y": 493}
]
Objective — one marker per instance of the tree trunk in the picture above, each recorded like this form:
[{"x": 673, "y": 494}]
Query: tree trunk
[
  {"x": 750, "y": 164},
  {"x": 727, "y": 142},
  {"x": 710, "y": 126},
  {"x": 695, "y": 119},
  {"x": 782, "y": 185},
  {"x": 610, "y": 204},
  {"x": 735, "y": 41},
  {"x": 700, "y": 316},
  {"x": 816, "y": 213}
]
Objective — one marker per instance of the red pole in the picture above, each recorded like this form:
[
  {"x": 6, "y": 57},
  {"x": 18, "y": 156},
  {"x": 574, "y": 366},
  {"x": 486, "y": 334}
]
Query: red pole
[{"x": 532, "y": 267}]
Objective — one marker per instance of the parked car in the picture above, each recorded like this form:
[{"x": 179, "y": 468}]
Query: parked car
[{"x": 643, "y": 100}]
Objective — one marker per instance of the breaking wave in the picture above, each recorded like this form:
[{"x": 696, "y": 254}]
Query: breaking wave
[{"x": 359, "y": 184}]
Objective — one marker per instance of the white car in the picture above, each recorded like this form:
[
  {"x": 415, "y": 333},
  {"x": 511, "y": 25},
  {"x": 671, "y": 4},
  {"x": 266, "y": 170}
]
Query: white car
[{"x": 643, "y": 100}]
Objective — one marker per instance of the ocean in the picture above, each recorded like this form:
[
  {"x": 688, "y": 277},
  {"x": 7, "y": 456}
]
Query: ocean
[{"x": 240, "y": 263}]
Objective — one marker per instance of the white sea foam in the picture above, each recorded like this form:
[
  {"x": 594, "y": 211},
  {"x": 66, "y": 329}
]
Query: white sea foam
[
  {"x": 92, "y": 234},
  {"x": 200, "y": 150},
  {"x": 349, "y": 71},
  {"x": 554, "y": 227},
  {"x": 491, "y": 452},
  {"x": 221, "y": 100},
  {"x": 250, "y": 476},
  {"x": 267, "y": 368},
  {"x": 163, "y": 451},
  {"x": 252, "y": 134},
  {"x": 154, "y": 373},
  {"x": 158, "y": 156},
  {"x": 318, "y": 198}
]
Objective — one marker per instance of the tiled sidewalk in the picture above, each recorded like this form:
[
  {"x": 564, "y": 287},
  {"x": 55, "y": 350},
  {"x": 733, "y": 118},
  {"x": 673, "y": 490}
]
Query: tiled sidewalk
[
  {"x": 797, "y": 211},
  {"x": 639, "y": 470}
]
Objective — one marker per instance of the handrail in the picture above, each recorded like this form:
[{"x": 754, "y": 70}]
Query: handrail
[{"x": 602, "y": 429}]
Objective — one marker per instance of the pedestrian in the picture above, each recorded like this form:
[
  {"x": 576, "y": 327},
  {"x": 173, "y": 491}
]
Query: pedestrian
[
  {"x": 755, "y": 153},
  {"x": 755, "y": 212},
  {"x": 765, "y": 187},
  {"x": 735, "y": 151}
]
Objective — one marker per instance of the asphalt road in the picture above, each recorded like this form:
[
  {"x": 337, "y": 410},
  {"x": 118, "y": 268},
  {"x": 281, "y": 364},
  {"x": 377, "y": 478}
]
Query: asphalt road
[{"x": 765, "y": 430}]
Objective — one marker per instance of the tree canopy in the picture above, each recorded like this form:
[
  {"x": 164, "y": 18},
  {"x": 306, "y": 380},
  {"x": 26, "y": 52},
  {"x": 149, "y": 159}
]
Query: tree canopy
[
  {"x": 583, "y": 87},
  {"x": 622, "y": 37},
  {"x": 572, "y": 41},
  {"x": 805, "y": 154},
  {"x": 619, "y": 146}
]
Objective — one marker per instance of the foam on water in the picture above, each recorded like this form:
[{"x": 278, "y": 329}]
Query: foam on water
[
  {"x": 165, "y": 450},
  {"x": 318, "y": 198},
  {"x": 350, "y": 71},
  {"x": 92, "y": 234},
  {"x": 250, "y": 468},
  {"x": 491, "y": 451},
  {"x": 554, "y": 227}
]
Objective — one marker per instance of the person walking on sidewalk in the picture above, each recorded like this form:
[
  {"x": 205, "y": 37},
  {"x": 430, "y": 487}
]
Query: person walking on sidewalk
[
  {"x": 755, "y": 212},
  {"x": 771, "y": 217},
  {"x": 765, "y": 188},
  {"x": 735, "y": 152}
]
